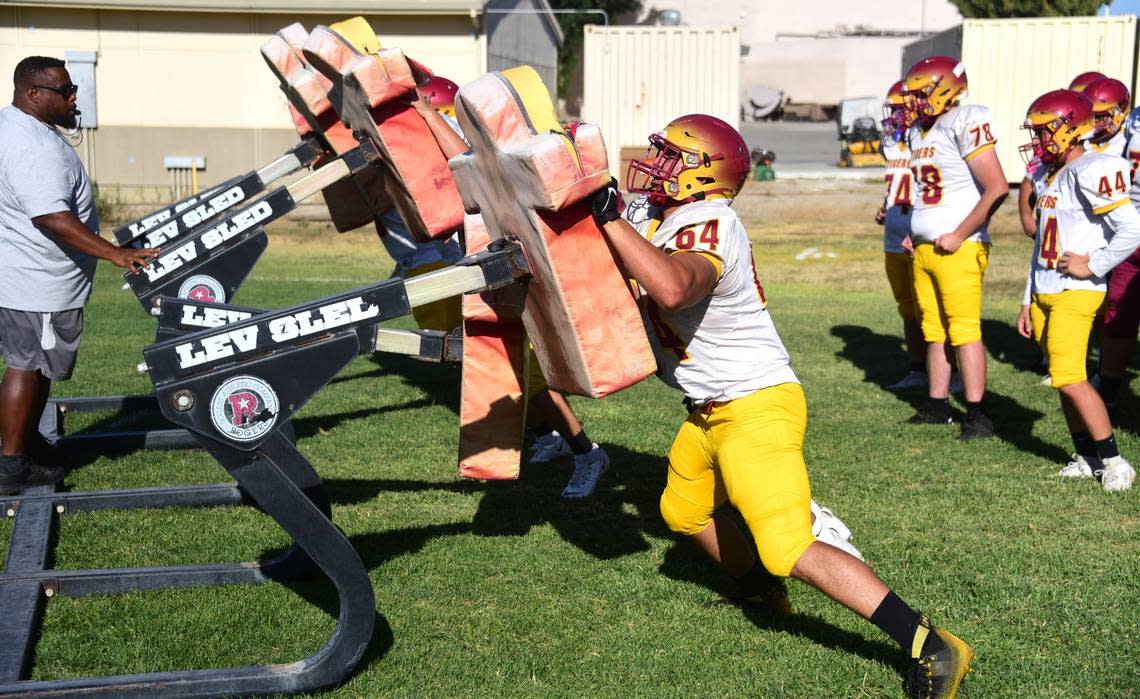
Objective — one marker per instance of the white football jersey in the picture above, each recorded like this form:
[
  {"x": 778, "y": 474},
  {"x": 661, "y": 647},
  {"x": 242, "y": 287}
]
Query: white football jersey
[
  {"x": 1113, "y": 146},
  {"x": 1131, "y": 153},
  {"x": 900, "y": 196},
  {"x": 726, "y": 346},
  {"x": 1070, "y": 217},
  {"x": 945, "y": 190}
]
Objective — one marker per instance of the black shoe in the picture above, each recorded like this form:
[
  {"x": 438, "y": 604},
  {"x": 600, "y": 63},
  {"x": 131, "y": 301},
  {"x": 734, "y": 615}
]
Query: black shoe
[
  {"x": 977, "y": 427},
  {"x": 41, "y": 450},
  {"x": 926, "y": 416},
  {"x": 18, "y": 472},
  {"x": 938, "y": 669}
]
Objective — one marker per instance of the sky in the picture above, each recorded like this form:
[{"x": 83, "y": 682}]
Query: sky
[{"x": 1123, "y": 7}]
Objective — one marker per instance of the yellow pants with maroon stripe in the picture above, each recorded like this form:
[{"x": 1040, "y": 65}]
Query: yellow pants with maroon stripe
[
  {"x": 949, "y": 291},
  {"x": 747, "y": 452},
  {"x": 1061, "y": 325}
]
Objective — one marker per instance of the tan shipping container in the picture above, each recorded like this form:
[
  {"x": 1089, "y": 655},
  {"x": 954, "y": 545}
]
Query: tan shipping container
[
  {"x": 638, "y": 79},
  {"x": 1010, "y": 62}
]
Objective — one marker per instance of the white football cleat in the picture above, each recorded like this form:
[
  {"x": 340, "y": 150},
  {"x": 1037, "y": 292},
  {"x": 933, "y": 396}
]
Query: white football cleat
[
  {"x": 547, "y": 448},
  {"x": 1078, "y": 467},
  {"x": 1117, "y": 475},
  {"x": 588, "y": 470},
  {"x": 1046, "y": 380},
  {"x": 913, "y": 379},
  {"x": 829, "y": 529}
]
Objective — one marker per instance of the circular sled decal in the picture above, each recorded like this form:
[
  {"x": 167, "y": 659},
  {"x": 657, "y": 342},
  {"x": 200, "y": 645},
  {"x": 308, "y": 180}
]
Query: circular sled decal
[
  {"x": 202, "y": 288},
  {"x": 244, "y": 408}
]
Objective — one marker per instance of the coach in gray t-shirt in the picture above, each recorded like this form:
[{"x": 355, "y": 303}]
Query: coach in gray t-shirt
[{"x": 49, "y": 242}]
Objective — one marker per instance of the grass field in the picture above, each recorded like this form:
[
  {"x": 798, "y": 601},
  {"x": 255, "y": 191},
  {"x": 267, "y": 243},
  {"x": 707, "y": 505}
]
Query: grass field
[{"x": 502, "y": 589}]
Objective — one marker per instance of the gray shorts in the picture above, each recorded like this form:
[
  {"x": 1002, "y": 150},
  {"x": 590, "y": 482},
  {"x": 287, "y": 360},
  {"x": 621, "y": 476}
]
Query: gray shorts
[{"x": 31, "y": 344}]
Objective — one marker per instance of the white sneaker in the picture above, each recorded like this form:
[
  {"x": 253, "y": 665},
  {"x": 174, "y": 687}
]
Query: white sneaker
[
  {"x": 956, "y": 385},
  {"x": 1117, "y": 475},
  {"x": 1046, "y": 380},
  {"x": 548, "y": 447},
  {"x": 913, "y": 379},
  {"x": 829, "y": 529},
  {"x": 588, "y": 470},
  {"x": 1078, "y": 467}
]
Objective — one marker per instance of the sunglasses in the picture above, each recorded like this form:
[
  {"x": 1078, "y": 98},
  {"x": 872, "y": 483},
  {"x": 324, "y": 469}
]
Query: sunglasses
[{"x": 65, "y": 92}]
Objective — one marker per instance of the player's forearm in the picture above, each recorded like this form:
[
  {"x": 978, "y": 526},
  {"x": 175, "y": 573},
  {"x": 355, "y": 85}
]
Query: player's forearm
[
  {"x": 449, "y": 141},
  {"x": 988, "y": 203},
  {"x": 1125, "y": 224},
  {"x": 669, "y": 282},
  {"x": 1025, "y": 209},
  {"x": 65, "y": 228}
]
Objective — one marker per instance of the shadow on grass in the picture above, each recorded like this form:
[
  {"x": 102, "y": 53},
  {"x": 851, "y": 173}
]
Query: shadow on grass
[
  {"x": 1004, "y": 344},
  {"x": 882, "y": 359},
  {"x": 439, "y": 381}
]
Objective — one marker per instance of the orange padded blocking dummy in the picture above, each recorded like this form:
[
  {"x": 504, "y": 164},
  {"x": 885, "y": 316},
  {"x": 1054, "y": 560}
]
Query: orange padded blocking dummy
[
  {"x": 492, "y": 400},
  {"x": 353, "y": 202},
  {"x": 372, "y": 91},
  {"x": 530, "y": 180}
]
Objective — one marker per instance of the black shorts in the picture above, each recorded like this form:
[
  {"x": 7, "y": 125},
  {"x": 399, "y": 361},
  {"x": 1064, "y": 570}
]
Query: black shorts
[{"x": 44, "y": 342}]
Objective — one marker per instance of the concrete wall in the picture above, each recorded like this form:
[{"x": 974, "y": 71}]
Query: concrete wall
[
  {"x": 522, "y": 39},
  {"x": 174, "y": 83}
]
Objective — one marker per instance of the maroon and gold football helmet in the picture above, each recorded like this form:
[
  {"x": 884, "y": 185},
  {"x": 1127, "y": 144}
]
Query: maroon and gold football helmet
[
  {"x": 694, "y": 157},
  {"x": 1111, "y": 101},
  {"x": 1056, "y": 121},
  {"x": 440, "y": 94},
  {"x": 933, "y": 86},
  {"x": 1082, "y": 81},
  {"x": 895, "y": 114}
]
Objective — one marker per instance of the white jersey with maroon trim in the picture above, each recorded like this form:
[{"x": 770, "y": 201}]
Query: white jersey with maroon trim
[
  {"x": 1131, "y": 153},
  {"x": 1071, "y": 217},
  {"x": 900, "y": 196},
  {"x": 725, "y": 346},
  {"x": 945, "y": 189}
]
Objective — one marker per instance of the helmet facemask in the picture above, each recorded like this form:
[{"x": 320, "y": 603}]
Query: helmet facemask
[{"x": 659, "y": 173}]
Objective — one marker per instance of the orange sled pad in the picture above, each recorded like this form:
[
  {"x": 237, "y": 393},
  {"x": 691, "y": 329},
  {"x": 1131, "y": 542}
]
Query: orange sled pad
[{"x": 531, "y": 180}]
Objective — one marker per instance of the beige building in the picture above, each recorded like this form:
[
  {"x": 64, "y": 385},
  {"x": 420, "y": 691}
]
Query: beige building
[
  {"x": 820, "y": 51},
  {"x": 185, "y": 78}
]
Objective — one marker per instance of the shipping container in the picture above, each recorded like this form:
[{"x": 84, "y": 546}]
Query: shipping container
[
  {"x": 1010, "y": 62},
  {"x": 638, "y": 79}
]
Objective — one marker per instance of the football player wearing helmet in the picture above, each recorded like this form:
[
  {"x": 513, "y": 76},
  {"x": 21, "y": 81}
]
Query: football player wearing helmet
[
  {"x": 742, "y": 443},
  {"x": 959, "y": 184},
  {"x": 1084, "y": 209},
  {"x": 894, "y": 217}
]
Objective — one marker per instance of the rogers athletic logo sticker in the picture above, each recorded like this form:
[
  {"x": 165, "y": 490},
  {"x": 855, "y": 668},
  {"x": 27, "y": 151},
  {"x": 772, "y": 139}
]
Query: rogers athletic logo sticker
[
  {"x": 202, "y": 288},
  {"x": 244, "y": 408}
]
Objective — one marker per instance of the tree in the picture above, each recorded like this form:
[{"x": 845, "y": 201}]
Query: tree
[
  {"x": 571, "y": 50},
  {"x": 1027, "y": 8}
]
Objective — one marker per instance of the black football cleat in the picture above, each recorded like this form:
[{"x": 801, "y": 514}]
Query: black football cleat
[
  {"x": 938, "y": 666},
  {"x": 979, "y": 426}
]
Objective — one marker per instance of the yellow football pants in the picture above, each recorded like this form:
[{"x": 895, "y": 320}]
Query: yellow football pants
[
  {"x": 748, "y": 452},
  {"x": 1061, "y": 325},
  {"x": 949, "y": 291},
  {"x": 900, "y": 275}
]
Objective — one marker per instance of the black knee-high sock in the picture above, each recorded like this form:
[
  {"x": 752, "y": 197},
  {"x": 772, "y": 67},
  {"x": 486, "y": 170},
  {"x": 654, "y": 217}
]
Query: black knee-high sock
[
  {"x": 897, "y": 620},
  {"x": 1084, "y": 445},
  {"x": 541, "y": 429},
  {"x": 1106, "y": 448}
]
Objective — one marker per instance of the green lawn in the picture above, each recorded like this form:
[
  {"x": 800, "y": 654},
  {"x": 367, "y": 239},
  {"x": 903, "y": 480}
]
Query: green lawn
[{"x": 502, "y": 589}]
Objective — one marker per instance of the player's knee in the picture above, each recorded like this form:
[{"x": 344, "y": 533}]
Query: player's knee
[
  {"x": 965, "y": 331},
  {"x": 780, "y": 553},
  {"x": 682, "y": 516}
]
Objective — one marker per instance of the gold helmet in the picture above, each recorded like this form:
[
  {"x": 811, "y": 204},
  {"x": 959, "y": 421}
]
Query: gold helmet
[
  {"x": 694, "y": 157},
  {"x": 1056, "y": 121},
  {"x": 933, "y": 86},
  {"x": 895, "y": 114},
  {"x": 1110, "y": 100}
]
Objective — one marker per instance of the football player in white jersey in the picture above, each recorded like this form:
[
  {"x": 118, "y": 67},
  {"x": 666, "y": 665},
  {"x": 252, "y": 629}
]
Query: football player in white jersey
[
  {"x": 742, "y": 443},
  {"x": 557, "y": 429},
  {"x": 1084, "y": 208},
  {"x": 1111, "y": 102},
  {"x": 959, "y": 184},
  {"x": 894, "y": 216}
]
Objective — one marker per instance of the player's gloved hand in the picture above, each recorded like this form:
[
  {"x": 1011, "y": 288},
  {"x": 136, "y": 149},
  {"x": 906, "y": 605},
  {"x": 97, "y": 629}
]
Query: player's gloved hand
[{"x": 607, "y": 203}]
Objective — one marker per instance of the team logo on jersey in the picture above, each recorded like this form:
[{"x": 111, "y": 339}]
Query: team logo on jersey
[
  {"x": 244, "y": 408},
  {"x": 202, "y": 288}
]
